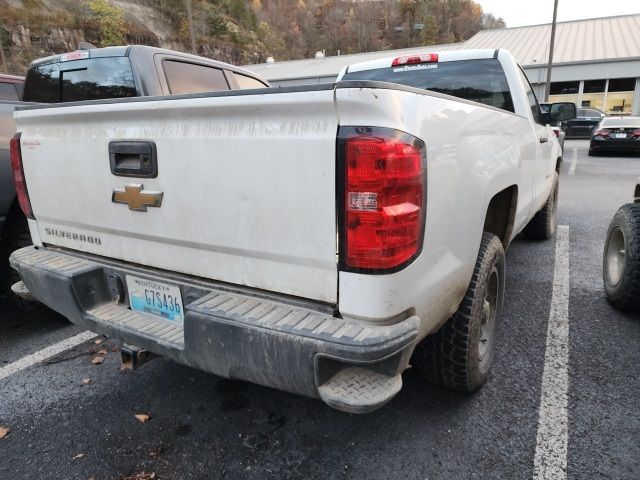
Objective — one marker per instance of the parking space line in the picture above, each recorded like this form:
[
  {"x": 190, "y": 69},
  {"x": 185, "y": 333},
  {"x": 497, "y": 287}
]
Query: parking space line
[
  {"x": 551, "y": 444},
  {"x": 50, "y": 351},
  {"x": 574, "y": 161}
]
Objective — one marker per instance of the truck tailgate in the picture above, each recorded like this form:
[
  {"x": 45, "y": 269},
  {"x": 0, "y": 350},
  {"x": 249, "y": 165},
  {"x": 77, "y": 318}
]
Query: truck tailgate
[{"x": 247, "y": 182}]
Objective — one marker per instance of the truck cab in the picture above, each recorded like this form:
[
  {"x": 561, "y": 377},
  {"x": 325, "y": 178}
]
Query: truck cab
[{"x": 130, "y": 71}]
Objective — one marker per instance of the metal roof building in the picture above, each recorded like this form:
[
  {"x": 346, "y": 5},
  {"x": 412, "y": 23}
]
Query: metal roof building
[{"x": 596, "y": 61}]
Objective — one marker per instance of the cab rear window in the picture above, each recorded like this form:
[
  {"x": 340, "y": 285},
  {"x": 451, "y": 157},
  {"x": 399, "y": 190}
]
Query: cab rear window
[
  {"x": 481, "y": 80},
  {"x": 86, "y": 79}
]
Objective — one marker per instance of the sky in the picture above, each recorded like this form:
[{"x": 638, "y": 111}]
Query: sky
[{"x": 517, "y": 13}]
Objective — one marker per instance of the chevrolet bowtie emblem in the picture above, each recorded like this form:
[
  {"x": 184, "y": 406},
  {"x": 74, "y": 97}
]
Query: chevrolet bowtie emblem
[{"x": 137, "y": 198}]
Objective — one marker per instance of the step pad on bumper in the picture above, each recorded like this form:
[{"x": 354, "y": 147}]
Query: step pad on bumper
[
  {"x": 358, "y": 390},
  {"x": 139, "y": 323},
  {"x": 287, "y": 319}
]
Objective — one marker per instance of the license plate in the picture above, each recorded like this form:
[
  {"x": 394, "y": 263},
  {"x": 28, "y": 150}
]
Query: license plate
[
  {"x": 619, "y": 135},
  {"x": 155, "y": 298}
]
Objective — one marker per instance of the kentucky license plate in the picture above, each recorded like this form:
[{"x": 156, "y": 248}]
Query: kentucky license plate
[{"x": 155, "y": 298}]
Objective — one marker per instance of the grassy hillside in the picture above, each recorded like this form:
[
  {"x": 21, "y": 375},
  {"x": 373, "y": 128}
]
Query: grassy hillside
[
  {"x": 30, "y": 29},
  {"x": 236, "y": 31}
]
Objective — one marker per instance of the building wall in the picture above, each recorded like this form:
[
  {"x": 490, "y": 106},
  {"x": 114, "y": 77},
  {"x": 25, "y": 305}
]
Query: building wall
[
  {"x": 592, "y": 71},
  {"x": 303, "y": 81}
]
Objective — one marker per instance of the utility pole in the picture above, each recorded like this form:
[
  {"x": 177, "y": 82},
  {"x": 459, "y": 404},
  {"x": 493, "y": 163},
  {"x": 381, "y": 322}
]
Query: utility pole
[
  {"x": 547, "y": 87},
  {"x": 193, "y": 35}
]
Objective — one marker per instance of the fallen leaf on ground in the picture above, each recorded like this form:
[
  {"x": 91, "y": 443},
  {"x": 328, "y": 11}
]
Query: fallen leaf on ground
[
  {"x": 97, "y": 360},
  {"x": 86, "y": 381},
  {"x": 142, "y": 417},
  {"x": 80, "y": 455},
  {"x": 102, "y": 352},
  {"x": 98, "y": 341},
  {"x": 4, "y": 431}
]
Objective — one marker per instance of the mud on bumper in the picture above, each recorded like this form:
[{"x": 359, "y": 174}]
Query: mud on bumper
[{"x": 238, "y": 334}]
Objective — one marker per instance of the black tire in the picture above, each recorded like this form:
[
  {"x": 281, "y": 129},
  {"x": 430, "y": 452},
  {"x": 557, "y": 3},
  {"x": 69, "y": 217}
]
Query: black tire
[
  {"x": 460, "y": 354},
  {"x": 16, "y": 236},
  {"x": 543, "y": 225},
  {"x": 592, "y": 152},
  {"x": 621, "y": 259}
]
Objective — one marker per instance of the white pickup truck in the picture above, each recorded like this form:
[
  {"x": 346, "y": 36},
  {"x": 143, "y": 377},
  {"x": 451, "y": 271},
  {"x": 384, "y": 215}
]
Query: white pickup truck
[{"x": 315, "y": 239}]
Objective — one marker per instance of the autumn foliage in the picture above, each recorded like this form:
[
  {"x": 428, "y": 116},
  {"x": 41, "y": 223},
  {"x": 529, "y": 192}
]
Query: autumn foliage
[{"x": 238, "y": 31}]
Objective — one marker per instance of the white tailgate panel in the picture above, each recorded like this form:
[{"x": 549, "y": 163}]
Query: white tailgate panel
[{"x": 248, "y": 182}]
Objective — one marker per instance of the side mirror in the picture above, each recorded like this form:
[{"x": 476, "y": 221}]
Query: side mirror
[{"x": 562, "y": 111}]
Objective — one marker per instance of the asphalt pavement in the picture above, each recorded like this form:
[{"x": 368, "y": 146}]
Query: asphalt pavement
[{"x": 70, "y": 418}]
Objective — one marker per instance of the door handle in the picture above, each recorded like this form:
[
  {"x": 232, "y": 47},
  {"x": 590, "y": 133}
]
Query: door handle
[
  {"x": 132, "y": 158},
  {"x": 544, "y": 139}
]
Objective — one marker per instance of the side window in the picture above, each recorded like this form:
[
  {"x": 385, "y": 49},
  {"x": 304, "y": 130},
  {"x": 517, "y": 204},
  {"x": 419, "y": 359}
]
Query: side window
[
  {"x": 531, "y": 97},
  {"x": 184, "y": 77},
  {"x": 8, "y": 92},
  {"x": 245, "y": 82}
]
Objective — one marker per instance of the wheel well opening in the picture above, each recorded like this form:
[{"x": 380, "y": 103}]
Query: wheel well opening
[
  {"x": 501, "y": 214},
  {"x": 558, "y": 163}
]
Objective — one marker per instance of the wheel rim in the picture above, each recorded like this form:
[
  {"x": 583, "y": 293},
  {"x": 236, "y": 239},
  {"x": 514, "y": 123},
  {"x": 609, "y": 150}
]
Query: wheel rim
[
  {"x": 488, "y": 324},
  {"x": 616, "y": 256}
]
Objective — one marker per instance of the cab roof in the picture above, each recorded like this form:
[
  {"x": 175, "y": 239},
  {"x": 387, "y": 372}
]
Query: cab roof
[
  {"x": 142, "y": 50},
  {"x": 4, "y": 78}
]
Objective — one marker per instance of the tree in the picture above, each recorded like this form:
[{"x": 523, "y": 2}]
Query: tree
[
  {"x": 430, "y": 30},
  {"x": 490, "y": 22},
  {"x": 110, "y": 21}
]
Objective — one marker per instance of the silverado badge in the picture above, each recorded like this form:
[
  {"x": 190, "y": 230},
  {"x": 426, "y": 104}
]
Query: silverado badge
[{"x": 137, "y": 198}]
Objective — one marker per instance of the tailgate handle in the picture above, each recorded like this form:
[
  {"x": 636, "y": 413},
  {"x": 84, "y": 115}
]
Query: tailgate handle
[{"x": 130, "y": 158}]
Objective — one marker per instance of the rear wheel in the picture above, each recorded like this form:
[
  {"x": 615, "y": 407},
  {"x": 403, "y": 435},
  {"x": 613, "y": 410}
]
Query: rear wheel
[
  {"x": 16, "y": 236},
  {"x": 621, "y": 259},
  {"x": 460, "y": 354},
  {"x": 543, "y": 225}
]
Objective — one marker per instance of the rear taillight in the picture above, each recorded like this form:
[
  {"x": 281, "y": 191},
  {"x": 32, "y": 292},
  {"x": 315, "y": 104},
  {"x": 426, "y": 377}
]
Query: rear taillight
[
  {"x": 557, "y": 132},
  {"x": 383, "y": 215},
  {"x": 18, "y": 176},
  {"x": 603, "y": 132},
  {"x": 636, "y": 133}
]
